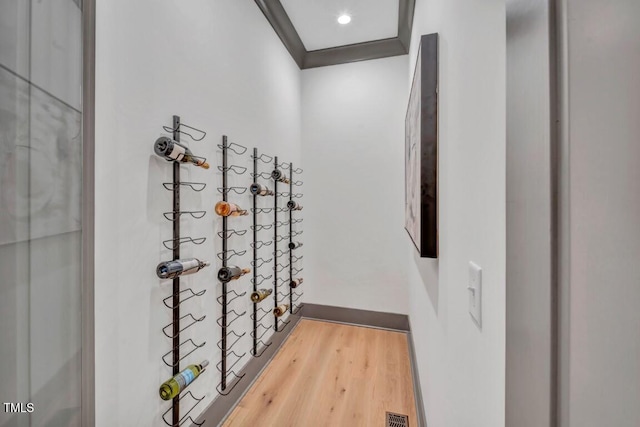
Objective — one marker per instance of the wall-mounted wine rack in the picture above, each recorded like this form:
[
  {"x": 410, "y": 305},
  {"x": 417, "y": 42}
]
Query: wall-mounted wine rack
[
  {"x": 259, "y": 312},
  {"x": 228, "y": 296},
  {"x": 294, "y": 206},
  {"x": 279, "y": 267},
  {"x": 181, "y": 348}
]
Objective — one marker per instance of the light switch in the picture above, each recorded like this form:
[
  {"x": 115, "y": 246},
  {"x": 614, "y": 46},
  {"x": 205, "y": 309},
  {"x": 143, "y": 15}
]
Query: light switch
[{"x": 475, "y": 292}]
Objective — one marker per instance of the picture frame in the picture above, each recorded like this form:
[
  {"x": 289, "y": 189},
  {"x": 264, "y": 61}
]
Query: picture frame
[{"x": 421, "y": 151}]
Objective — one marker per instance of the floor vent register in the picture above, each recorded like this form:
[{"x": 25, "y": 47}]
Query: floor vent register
[{"x": 397, "y": 420}]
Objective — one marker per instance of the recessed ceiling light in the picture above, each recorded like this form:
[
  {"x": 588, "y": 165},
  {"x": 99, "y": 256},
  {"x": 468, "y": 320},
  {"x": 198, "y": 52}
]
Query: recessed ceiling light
[{"x": 344, "y": 19}]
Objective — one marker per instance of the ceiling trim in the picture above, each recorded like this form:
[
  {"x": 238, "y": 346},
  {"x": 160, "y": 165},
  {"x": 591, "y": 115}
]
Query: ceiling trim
[{"x": 279, "y": 20}]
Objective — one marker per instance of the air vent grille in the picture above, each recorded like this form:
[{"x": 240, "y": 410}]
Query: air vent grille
[{"x": 397, "y": 420}]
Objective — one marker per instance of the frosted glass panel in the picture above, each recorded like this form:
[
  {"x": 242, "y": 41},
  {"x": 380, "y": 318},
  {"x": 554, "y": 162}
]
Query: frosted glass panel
[{"x": 40, "y": 212}]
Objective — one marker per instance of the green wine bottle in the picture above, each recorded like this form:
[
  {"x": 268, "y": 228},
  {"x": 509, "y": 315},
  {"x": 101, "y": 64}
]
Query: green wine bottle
[{"x": 173, "y": 387}]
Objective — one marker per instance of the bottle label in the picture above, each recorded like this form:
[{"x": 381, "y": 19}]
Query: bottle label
[
  {"x": 190, "y": 266},
  {"x": 177, "y": 153},
  {"x": 185, "y": 378}
]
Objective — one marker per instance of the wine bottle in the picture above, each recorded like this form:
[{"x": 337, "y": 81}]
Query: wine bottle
[
  {"x": 294, "y": 206},
  {"x": 227, "y": 274},
  {"x": 295, "y": 245},
  {"x": 173, "y": 150},
  {"x": 280, "y": 310},
  {"x": 173, "y": 387},
  {"x": 296, "y": 282},
  {"x": 260, "y": 294},
  {"x": 180, "y": 267},
  {"x": 229, "y": 209},
  {"x": 260, "y": 190},
  {"x": 278, "y": 175}
]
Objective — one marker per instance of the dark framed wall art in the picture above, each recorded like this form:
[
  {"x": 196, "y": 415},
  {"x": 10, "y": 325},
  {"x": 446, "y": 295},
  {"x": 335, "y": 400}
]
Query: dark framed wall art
[{"x": 421, "y": 151}]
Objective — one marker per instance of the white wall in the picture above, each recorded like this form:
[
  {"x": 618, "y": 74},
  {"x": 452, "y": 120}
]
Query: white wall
[
  {"x": 353, "y": 133},
  {"x": 220, "y": 66},
  {"x": 529, "y": 376},
  {"x": 600, "y": 287},
  {"x": 360, "y": 255},
  {"x": 462, "y": 367}
]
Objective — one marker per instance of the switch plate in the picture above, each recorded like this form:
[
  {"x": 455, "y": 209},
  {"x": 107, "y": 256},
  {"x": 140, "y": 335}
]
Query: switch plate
[{"x": 475, "y": 292}]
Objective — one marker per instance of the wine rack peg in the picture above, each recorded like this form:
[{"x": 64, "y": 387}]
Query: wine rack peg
[
  {"x": 238, "y": 170},
  {"x": 233, "y": 298},
  {"x": 260, "y": 243},
  {"x": 174, "y": 215},
  {"x": 186, "y": 417},
  {"x": 264, "y": 348},
  {"x": 234, "y": 382},
  {"x": 262, "y": 210},
  {"x": 195, "y": 186},
  {"x": 263, "y": 175},
  {"x": 231, "y": 232},
  {"x": 238, "y": 359},
  {"x": 232, "y": 146},
  {"x": 254, "y": 334},
  {"x": 259, "y": 227},
  {"x": 230, "y": 346},
  {"x": 181, "y": 300},
  {"x": 257, "y": 280},
  {"x": 237, "y": 315},
  {"x": 263, "y": 314},
  {"x": 263, "y": 158},
  {"x": 177, "y": 242},
  {"x": 179, "y": 347},
  {"x": 237, "y": 190},
  {"x": 179, "y": 128},
  {"x": 193, "y": 321},
  {"x": 258, "y": 262},
  {"x": 297, "y": 297},
  {"x": 233, "y": 252}
]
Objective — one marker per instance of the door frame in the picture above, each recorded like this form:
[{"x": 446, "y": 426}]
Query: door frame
[{"x": 88, "y": 208}]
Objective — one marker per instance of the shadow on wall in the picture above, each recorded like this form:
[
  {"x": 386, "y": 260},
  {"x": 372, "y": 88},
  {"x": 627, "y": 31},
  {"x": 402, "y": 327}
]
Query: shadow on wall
[{"x": 428, "y": 269}]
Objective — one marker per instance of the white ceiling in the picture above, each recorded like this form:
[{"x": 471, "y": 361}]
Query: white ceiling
[{"x": 316, "y": 21}]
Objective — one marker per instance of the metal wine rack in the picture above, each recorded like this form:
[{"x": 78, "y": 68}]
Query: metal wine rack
[
  {"x": 229, "y": 316},
  {"x": 294, "y": 296},
  {"x": 279, "y": 267},
  {"x": 181, "y": 323},
  {"x": 259, "y": 313}
]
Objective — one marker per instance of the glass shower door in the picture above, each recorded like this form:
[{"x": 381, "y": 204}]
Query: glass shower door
[{"x": 40, "y": 212}]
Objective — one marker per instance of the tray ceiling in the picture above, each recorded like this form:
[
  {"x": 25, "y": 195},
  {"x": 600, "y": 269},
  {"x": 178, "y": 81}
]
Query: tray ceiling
[
  {"x": 317, "y": 21},
  {"x": 310, "y": 31}
]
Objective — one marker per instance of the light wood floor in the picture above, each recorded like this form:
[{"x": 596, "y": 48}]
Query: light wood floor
[{"x": 329, "y": 374}]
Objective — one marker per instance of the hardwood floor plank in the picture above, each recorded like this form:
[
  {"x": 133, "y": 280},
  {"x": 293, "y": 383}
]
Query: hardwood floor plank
[{"x": 330, "y": 374}]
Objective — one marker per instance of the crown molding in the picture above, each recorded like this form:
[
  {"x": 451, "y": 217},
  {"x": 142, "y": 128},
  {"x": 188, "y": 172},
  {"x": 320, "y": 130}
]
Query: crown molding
[{"x": 282, "y": 25}]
